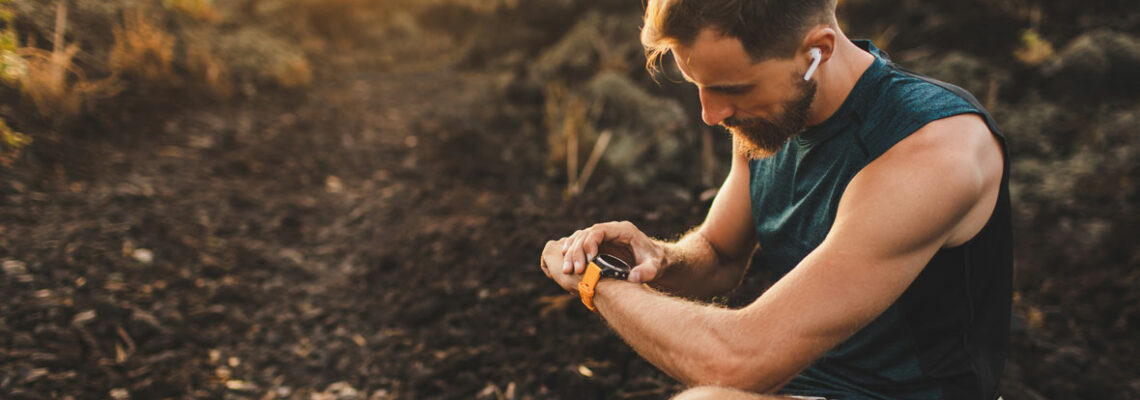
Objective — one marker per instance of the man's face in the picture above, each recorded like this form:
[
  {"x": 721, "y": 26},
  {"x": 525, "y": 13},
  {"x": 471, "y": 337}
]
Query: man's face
[{"x": 763, "y": 104}]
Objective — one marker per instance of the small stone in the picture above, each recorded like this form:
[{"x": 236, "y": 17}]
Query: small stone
[
  {"x": 120, "y": 394},
  {"x": 14, "y": 267},
  {"x": 83, "y": 318},
  {"x": 35, "y": 375},
  {"x": 333, "y": 184},
  {"x": 242, "y": 386},
  {"x": 342, "y": 391},
  {"x": 488, "y": 392},
  {"x": 144, "y": 256}
]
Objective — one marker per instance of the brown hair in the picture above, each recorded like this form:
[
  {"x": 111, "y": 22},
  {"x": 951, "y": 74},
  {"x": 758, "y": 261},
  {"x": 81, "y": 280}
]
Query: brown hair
[{"x": 767, "y": 28}]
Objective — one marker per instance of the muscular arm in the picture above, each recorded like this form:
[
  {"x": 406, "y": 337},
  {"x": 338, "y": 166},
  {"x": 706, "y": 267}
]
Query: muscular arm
[
  {"x": 928, "y": 192},
  {"x": 712, "y": 259}
]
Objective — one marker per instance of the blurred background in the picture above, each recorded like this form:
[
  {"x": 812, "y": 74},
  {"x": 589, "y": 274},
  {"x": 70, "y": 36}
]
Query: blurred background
[{"x": 346, "y": 199}]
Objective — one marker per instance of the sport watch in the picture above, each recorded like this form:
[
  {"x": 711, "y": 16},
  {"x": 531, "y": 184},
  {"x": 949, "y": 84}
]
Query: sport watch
[{"x": 602, "y": 266}]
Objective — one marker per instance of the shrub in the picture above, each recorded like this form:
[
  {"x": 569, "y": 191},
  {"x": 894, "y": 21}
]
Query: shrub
[
  {"x": 54, "y": 84},
  {"x": 207, "y": 68},
  {"x": 201, "y": 10},
  {"x": 12, "y": 66},
  {"x": 143, "y": 50},
  {"x": 257, "y": 58},
  {"x": 12, "y": 144}
]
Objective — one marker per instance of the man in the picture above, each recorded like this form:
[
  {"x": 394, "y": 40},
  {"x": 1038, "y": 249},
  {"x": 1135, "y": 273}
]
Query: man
[{"x": 879, "y": 198}]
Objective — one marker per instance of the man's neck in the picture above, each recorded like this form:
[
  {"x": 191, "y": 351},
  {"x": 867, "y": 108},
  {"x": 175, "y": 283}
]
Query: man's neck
[{"x": 837, "y": 78}]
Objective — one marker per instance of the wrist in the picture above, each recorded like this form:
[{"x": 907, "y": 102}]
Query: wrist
[
  {"x": 605, "y": 291},
  {"x": 604, "y": 267},
  {"x": 671, "y": 255}
]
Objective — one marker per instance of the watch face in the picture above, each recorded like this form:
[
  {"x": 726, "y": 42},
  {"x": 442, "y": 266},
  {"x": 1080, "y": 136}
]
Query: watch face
[{"x": 612, "y": 266}]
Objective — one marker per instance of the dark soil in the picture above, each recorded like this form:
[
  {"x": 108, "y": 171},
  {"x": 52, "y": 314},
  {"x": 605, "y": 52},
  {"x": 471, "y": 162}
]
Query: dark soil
[{"x": 378, "y": 237}]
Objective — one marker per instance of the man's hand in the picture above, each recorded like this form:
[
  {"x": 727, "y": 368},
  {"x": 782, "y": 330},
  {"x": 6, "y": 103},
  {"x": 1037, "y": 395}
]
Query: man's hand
[
  {"x": 552, "y": 255},
  {"x": 581, "y": 247}
]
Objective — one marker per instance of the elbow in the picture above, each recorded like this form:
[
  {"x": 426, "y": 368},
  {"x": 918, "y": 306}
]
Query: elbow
[
  {"x": 730, "y": 276},
  {"x": 750, "y": 369},
  {"x": 741, "y": 370}
]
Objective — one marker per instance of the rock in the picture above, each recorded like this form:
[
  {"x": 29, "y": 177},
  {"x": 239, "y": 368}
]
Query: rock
[
  {"x": 144, "y": 256},
  {"x": 1101, "y": 60},
  {"x": 120, "y": 394},
  {"x": 1036, "y": 127},
  {"x": 648, "y": 131},
  {"x": 594, "y": 40},
  {"x": 14, "y": 267},
  {"x": 243, "y": 387},
  {"x": 17, "y": 271},
  {"x": 83, "y": 318},
  {"x": 256, "y": 58},
  {"x": 339, "y": 391}
]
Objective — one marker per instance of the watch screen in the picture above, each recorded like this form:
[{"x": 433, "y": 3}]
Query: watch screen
[{"x": 610, "y": 261}]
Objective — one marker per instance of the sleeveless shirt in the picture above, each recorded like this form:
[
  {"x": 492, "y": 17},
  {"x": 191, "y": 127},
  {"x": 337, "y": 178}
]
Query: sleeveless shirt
[{"x": 946, "y": 336}]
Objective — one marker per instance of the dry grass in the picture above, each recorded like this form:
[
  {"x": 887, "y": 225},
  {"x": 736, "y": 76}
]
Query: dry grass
[
  {"x": 57, "y": 87},
  {"x": 142, "y": 50},
  {"x": 201, "y": 10},
  {"x": 343, "y": 22},
  {"x": 1034, "y": 49},
  {"x": 571, "y": 124},
  {"x": 295, "y": 73},
  {"x": 206, "y": 68},
  {"x": 12, "y": 144}
]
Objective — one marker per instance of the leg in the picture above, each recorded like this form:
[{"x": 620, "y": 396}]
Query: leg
[{"x": 720, "y": 393}]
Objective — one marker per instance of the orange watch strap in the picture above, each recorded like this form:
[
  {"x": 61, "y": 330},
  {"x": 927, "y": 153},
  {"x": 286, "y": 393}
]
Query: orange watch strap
[{"x": 586, "y": 286}]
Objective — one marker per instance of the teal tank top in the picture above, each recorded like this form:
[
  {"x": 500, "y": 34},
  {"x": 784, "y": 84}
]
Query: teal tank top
[{"x": 946, "y": 336}]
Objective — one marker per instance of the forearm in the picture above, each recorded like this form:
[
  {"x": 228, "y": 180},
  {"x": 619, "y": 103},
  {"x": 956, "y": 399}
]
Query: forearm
[
  {"x": 694, "y": 269},
  {"x": 695, "y": 343}
]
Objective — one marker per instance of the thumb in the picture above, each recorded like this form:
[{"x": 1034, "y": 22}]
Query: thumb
[{"x": 644, "y": 272}]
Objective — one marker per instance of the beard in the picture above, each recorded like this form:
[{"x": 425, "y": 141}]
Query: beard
[{"x": 760, "y": 137}]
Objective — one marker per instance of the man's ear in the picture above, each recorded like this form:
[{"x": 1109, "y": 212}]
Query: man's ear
[{"x": 821, "y": 37}]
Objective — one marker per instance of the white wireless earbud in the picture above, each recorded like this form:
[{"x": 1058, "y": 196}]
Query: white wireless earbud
[{"x": 816, "y": 56}]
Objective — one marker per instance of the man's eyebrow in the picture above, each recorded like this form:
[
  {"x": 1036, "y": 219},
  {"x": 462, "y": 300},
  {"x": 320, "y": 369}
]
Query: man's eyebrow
[{"x": 726, "y": 88}]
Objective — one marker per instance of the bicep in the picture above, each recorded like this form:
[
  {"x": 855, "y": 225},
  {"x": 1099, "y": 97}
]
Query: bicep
[
  {"x": 893, "y": 217},
  {"x": 728, "y": 226}
]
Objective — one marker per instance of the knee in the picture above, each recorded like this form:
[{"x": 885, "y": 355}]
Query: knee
[
  {"x": 703, "y": 393},
  {"x": 720, "y": 393}
]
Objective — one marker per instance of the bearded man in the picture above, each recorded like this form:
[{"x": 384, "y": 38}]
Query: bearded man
[{"x": 879, "y": 198}]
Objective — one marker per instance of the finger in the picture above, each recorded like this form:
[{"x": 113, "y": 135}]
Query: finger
[
  {"x": 643, "y": 273},
  {"x": 567, "y": 263},
  {"x": 567, "y": 240},
  {"x": 575, "y": 256},
  {"x": 591, "y": 241}
]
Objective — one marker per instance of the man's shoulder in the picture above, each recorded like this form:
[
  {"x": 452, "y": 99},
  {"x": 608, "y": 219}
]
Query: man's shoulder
[
  {"x": 955, "y": 156},
  {"x": 921, "y": 98},
  {"x": 906, "y": 102}
]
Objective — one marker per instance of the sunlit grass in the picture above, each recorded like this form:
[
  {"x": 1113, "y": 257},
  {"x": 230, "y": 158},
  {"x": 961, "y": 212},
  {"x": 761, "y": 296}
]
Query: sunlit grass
[{"x": 142, "y": 50}]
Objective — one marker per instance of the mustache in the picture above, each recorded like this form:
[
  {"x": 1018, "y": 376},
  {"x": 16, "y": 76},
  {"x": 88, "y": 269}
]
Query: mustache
[{"x": 737, "y": 122}]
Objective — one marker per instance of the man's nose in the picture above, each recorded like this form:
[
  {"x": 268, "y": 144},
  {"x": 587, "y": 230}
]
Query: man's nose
[{"x": 714, "y": 108}]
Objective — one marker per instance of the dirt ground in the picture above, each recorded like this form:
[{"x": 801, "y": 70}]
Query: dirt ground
[{"x": 377, "y": 237}]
